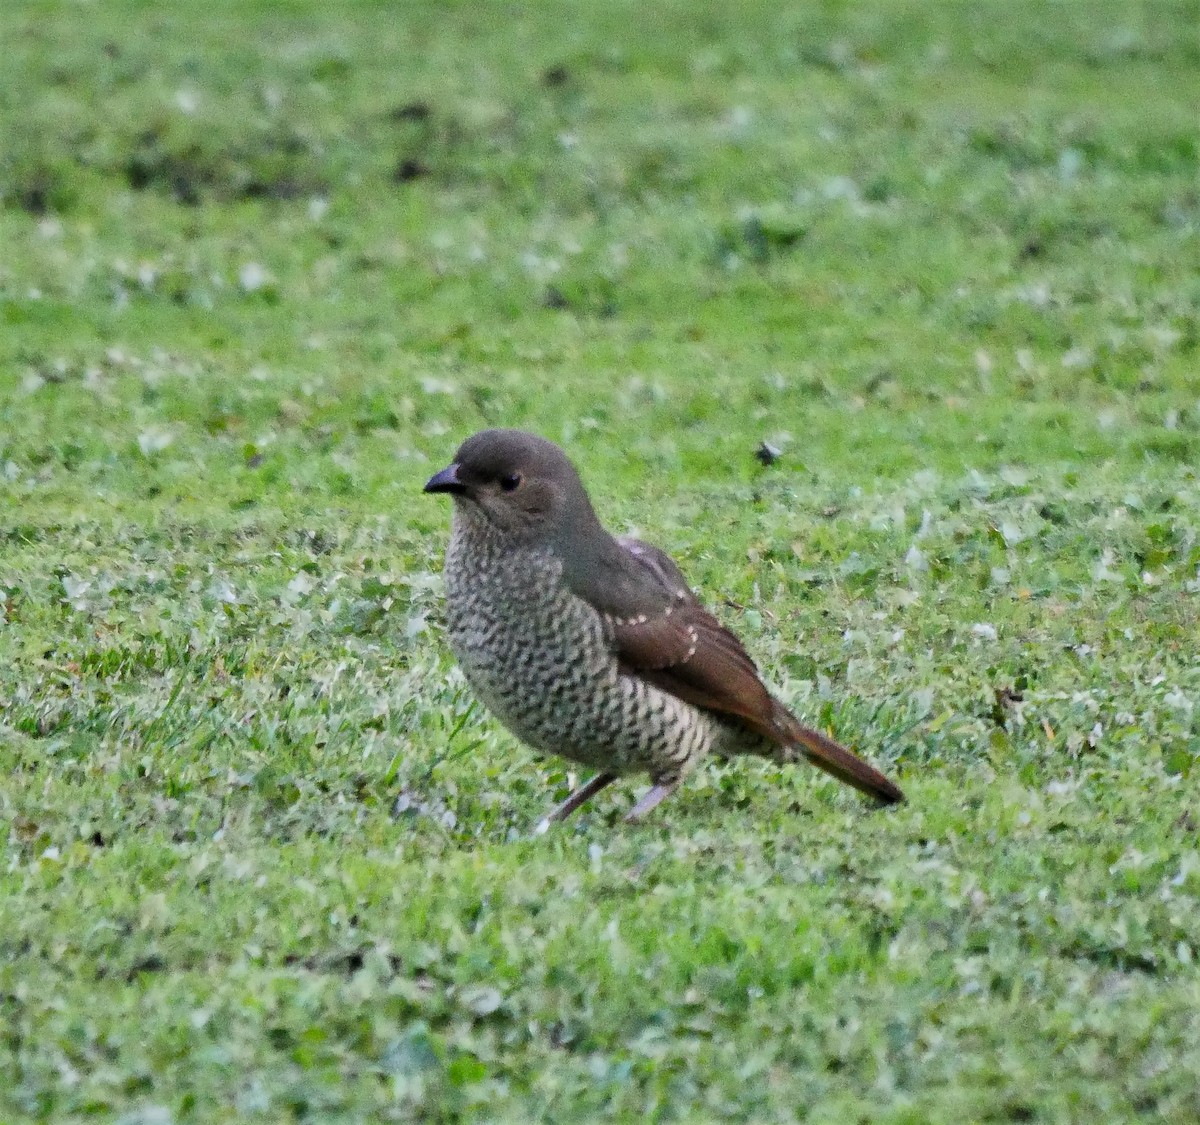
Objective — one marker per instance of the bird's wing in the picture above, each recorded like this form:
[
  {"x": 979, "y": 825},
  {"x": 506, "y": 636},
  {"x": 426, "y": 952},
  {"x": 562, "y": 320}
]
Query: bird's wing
[
  {"x": 665, "y": 636},
  {"x": 678, "y": 646}
]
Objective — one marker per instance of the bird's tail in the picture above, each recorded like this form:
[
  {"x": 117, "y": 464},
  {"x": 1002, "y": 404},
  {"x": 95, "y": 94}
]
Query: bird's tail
[{"x": 835, "y": 759}]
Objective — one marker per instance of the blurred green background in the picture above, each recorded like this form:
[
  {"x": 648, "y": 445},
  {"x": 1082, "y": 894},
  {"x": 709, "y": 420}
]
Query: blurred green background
[{"x": 264, "y": 265}]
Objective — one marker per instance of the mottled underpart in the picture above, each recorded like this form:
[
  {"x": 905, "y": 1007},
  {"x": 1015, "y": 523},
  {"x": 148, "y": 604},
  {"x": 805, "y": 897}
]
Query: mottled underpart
[{"x": 543, "y": 662}]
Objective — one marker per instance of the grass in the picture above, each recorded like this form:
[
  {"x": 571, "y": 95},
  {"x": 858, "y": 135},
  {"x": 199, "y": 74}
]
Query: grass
[{"x": 266, "y": 264}]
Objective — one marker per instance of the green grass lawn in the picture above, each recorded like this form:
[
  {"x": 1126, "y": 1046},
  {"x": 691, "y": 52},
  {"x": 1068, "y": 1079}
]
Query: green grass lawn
[{"x": 264, "y": 265}]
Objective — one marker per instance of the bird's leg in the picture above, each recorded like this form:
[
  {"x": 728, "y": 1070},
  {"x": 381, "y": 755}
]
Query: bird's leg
[
  {"x": 584, "y": 793},
  {"x": 651, "y": 799}
]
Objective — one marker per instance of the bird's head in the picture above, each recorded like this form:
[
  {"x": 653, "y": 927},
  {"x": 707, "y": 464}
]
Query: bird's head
[{"x": 518, "y": 484}]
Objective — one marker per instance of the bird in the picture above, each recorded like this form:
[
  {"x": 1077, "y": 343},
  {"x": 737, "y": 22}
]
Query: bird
[{"x": 591, "y": 646}]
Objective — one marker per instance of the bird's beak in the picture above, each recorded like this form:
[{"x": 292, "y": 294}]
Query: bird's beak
[{"x": 446, "y": 481}]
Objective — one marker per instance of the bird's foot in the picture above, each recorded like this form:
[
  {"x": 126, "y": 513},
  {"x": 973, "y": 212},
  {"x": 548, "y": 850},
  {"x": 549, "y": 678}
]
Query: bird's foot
[
  {"x": 584, "y": 793},
  {"x": 651, "y": 799}
]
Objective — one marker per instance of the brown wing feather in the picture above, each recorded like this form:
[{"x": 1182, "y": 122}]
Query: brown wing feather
[
  {"x": 682, "y": 649},
  {"x": 687, "y": 652}
]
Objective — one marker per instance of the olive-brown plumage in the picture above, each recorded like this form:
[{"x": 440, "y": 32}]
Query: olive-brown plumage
[{"x": 593, "y": 647}]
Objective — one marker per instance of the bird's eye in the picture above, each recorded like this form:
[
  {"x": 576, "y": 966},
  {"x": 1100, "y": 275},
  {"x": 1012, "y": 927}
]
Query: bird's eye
[{"x": 510, "y": 482}]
